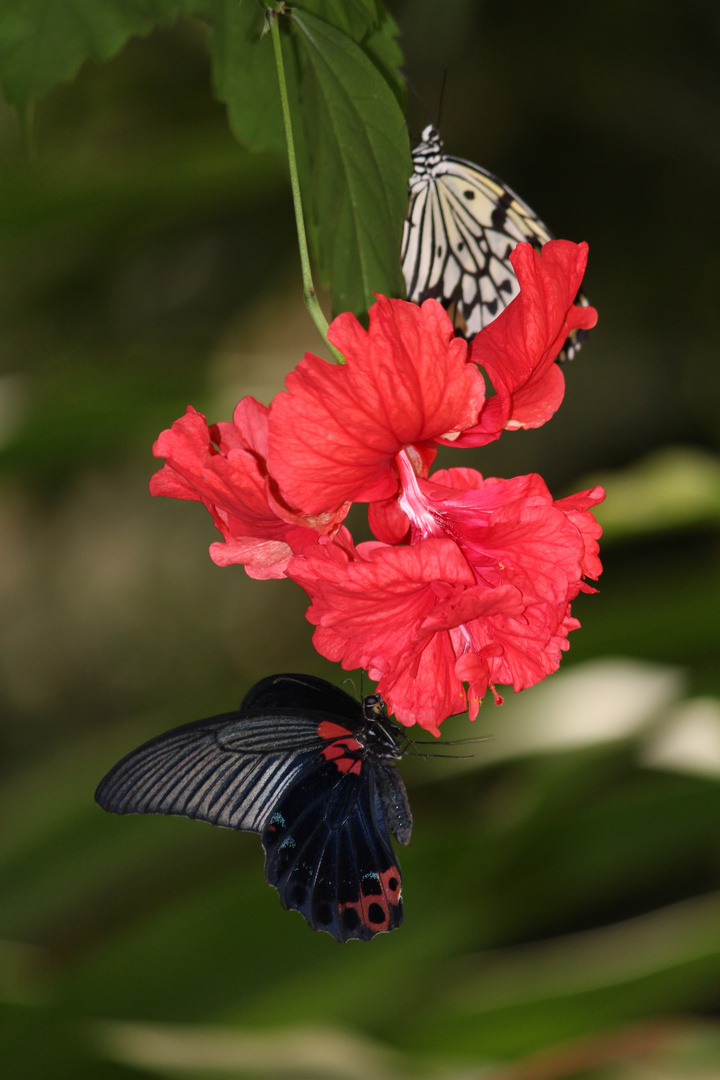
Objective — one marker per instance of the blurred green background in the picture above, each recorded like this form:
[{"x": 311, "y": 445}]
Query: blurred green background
[{"x": 562, "y": 887}]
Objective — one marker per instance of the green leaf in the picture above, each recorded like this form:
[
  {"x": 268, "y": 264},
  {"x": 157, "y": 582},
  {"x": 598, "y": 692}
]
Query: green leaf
[
  {"x": 343, "y": 78},
  {"x": 674, "y": 487},
  {"x": 244, "y": 74},
  {"x": 43, "y": 43},
  {"x": 360, "y": 154},
  {"x": 382, "y": 48},
  {"x": 356, "y": 18},
  {"x": 370, "y": 26}
]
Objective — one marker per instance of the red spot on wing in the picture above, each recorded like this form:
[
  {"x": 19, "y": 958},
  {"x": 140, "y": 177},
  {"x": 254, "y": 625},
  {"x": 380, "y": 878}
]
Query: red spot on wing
[
  {"x": 347, "y": 764},
  {"x": 328, "y": 730},
  {"x": 338, "y": 753},
  {"x": 390, "y": 880},
  {"x": 373, "y": 910},
  {"x": 343, "y": 748}
]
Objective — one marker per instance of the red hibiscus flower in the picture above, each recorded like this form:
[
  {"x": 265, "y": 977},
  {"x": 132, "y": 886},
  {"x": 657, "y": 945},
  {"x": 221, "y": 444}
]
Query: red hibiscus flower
[
  {"x": 224, "y": 467},
  {"x": 481, "y": 595},
  {"x": 470, "y": 580}
]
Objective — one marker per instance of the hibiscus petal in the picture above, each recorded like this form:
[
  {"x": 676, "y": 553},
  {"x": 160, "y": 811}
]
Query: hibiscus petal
[
  {"x": 576, "y": 507},
  {"x": 234, "y": 483},
  {"x": 381, "y": 592},
  {"x": 223, "y": 467},
  {"x": 336, "y": 429},
  {"x": 519, "y": 347},
  {"x": 427, "y": 692},
  {"x": 262, "y": 559}
]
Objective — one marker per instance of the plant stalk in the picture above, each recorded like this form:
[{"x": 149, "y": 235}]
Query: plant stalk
[{"x": 309, "y": 294}]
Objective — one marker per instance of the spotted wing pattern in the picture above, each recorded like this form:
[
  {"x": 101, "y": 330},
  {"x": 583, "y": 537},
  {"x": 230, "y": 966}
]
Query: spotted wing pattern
[
  {"x": 462, "y": 224},
  {"x": 302, "y": 777}
]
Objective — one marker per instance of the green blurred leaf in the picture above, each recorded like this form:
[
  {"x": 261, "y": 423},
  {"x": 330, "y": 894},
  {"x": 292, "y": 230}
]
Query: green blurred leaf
[
  {"x": 39, "y": 1043},
  {"x": 522, "y": 998},
  {"x": 672, "y": 488},
  {"x": 678, "y": 623},
  {"x": 361, "y": 161},
  {"x": 43, "y": 43},
  {"x": 344, "y": 87},
  {"x": 59, "y": 848},
  {"x": 311, "y": 1050}
]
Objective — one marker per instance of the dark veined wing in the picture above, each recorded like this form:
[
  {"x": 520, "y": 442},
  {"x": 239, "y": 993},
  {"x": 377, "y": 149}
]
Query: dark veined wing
[
  {"x": 462, "y": 224},
  {"x": 328, "y": 853},
  {"x": 299, "y": 692},
  {"x": 228, "y": 770},
  {"x": 317, "y": 781}
]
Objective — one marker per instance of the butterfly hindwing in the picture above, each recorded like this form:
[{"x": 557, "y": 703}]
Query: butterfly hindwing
[
  {"x": 461, "y": 227},
  {"x": 328, "y": 853},
  {"x": 298, "y": 693}
]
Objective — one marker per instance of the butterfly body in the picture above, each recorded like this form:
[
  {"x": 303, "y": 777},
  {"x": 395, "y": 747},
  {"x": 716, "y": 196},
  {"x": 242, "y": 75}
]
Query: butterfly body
[
  {"x": 308, "y": 768},
  {"x": 461, "y": 227}
]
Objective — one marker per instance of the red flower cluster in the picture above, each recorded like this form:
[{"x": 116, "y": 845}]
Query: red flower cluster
[{"x": 470, "y": 580}]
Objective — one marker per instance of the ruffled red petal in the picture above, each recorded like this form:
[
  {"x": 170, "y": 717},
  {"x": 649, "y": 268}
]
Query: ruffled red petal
[
  {"x": 336, "y": 429},
  {"x": 223, "y": 467},
  {"x": 518, "y": 348}
]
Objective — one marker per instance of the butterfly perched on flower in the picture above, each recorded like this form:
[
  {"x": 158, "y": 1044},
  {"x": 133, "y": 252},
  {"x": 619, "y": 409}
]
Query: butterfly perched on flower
[
  {"x": 461, "y": 226},
  {"x": 309, "y": 768}
]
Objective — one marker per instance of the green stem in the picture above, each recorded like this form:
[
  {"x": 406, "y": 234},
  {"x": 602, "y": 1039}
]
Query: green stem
[{"x": 309, "y": 295}]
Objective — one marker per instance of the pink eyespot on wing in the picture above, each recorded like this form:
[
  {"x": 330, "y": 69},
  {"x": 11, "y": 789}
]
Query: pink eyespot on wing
[{"x": 376, "y": 908}]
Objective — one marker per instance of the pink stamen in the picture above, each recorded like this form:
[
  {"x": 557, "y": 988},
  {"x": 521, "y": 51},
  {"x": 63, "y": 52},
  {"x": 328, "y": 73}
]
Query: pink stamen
[{"x": 412, "y": 502}]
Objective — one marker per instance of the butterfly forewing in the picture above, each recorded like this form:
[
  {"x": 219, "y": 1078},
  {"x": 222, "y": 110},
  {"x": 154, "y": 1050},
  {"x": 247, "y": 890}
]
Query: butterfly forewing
[
  {"x": 309, "y": 768},
  {"x": 461, "y": 227},
  {"x": 225, "y": 770}
]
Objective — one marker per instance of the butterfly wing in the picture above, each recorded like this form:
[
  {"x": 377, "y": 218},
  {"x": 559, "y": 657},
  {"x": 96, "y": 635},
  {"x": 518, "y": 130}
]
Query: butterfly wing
[
  {"x": 228, "y": 770},
  {"x": 328, "y": 853},
  {"x": 462, "y": 224},
  {"x": 299, "y": 692},
  {"x": 298, "y": 777}
]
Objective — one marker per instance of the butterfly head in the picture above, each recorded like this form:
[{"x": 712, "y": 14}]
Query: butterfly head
[
  {"x": 374, "y": 707},
  {"x": 428, "y": 152},
  {"x": 381, "y": 735}
]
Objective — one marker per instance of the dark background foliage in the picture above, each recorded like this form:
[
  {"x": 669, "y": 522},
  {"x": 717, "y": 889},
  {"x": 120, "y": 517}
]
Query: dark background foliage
[{"x": 562, "y": 886}]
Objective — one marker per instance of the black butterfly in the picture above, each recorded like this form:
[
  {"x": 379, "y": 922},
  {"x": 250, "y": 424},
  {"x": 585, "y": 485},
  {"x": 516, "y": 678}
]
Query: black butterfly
[
  {"x": 309, "y": 768},
  {"x": 462, "y": 223}
]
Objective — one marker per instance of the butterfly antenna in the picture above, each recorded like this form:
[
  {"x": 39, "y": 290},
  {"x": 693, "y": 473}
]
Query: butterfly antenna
[
  {"x": 419, "y": 96},
  {"x": 442, "y": 95},
  {"x": 412, "y": 750},
  {"x": 451, "y": 742},
  {"x": 352, "y": 683},
  {"x": 290, "y": 678}
]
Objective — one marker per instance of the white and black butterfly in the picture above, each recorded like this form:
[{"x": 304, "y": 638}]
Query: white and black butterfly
[
  {"x": 461, "y": 226},
  {"x": 309, "y": 768}
]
